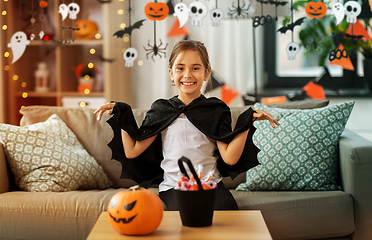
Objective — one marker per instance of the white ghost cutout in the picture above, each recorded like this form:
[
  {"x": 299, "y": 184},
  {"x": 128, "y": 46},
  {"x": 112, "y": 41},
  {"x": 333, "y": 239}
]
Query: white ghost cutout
[
  {"x": 63, "y": 10},
  {"x": 198, "y": 11},
  {"x": 18, "y": 44},
  {"x": 338, "y": 11},
  {"x": 130, "y": 55},
  {"x": 182, "y": 13}
]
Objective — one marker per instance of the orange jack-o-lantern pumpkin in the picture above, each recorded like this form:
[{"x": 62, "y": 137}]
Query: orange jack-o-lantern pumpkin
[
  {"x": 87, "y": 29},
  {"x": 43, "y": 4},
  {"x": 135, "y": 212},
  {"x": 156, "y": 11},
  {"x": 315, "y": 9}
]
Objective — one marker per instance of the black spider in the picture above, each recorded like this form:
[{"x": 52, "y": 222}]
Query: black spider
[
  {"x": 155, "y": 50},
  {"x": 239, "y": 11}
]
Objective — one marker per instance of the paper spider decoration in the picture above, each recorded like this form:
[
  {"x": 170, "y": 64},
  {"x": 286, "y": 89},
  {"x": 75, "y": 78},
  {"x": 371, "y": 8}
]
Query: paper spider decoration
[{"x": 238, "y": 11}]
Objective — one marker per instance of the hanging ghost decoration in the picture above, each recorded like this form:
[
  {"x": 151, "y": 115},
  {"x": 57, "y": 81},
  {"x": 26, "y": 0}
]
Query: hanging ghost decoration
[
  {"x": 73, "y": 10},
  {"x": 338, "y": 11},
  {"x": 292, "y": 49},
  {"x": 63, "y": 10},
  {"x": 352, "y": 11},
  {"x": 18, "y": 44},
  {"x": 182, "y": 13},
  {"x": 130, "y": 55},
  {"x": 198, "y": 11}
]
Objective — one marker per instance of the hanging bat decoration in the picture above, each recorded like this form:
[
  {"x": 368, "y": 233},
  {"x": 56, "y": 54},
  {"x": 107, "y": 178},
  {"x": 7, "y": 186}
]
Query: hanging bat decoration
[
  {"x": 128, "y": 30},
  {"x": 292, "y": 25}
]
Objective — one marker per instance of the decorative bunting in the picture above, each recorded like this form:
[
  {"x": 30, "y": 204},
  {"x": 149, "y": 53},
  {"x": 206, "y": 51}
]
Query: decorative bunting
[
  {"x": 357, "y": 29},
  {"x": 176, "y": 31},
  {"x": 314, "y": 90},
  {"x": 344, "y": 62}
]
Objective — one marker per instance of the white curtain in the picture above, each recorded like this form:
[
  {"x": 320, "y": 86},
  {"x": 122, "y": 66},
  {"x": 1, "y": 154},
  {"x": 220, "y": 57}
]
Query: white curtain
[{"x": 230, "y": 47}]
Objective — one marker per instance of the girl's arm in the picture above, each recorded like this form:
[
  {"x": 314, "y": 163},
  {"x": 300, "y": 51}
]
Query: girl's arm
[
  {"x": 231, "y": 152},
  {"x": 133, "y": 148}
]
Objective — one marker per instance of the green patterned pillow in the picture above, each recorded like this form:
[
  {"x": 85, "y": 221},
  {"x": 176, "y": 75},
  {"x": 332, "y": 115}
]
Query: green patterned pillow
[
  {"x": 301, "y": 153},
  {"x": 47, "y": 156}
]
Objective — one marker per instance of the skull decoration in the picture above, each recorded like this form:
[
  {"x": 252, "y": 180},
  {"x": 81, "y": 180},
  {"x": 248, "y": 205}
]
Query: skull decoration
[
  {"x": 352, "y": 10},
  {"x": 216, "y": 16},
  {"x": 73, "y": 10},
  {"x": 198, "y": 11},
  {"x": 130, "y": 55},
  {"x": 292, "y": 50}
]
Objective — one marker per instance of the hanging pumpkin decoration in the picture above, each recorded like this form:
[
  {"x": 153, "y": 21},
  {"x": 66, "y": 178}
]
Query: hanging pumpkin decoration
[
  {"x": 315, "y": 9},
  {"x": 87, "y": 29},
  {"x": 156, "y": 11},
  {"x": 43, "y": 4},
  {"x": 135, "y": 212}
]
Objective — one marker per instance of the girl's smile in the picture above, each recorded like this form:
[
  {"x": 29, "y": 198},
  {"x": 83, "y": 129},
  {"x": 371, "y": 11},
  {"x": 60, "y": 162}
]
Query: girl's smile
[{"x": 188, "y": 74}]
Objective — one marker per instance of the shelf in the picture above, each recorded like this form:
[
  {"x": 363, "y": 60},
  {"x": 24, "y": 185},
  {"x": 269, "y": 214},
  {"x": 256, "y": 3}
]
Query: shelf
[{"x": 77, "y": 94}]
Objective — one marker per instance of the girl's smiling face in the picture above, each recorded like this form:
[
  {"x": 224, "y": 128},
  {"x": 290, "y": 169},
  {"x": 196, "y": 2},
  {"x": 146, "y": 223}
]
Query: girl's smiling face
[{"x": 188, "y": 74}]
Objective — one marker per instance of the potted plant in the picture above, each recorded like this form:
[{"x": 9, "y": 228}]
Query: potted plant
[{"x": 319, "y": 37}]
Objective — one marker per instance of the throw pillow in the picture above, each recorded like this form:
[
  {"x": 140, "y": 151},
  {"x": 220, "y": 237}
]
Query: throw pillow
[
  {"x": 301, "y": 153},
  {"x": 47, "y": 156}
]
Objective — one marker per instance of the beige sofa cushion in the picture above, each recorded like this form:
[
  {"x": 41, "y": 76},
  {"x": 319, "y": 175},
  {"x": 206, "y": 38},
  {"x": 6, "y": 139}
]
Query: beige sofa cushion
[
  {"x": 92, "y": 134},
  {"x": 4, "y": 181}
]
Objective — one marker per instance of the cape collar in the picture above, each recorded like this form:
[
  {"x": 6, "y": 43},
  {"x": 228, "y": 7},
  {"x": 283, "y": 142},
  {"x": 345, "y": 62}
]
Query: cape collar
[{"x": 177, "y": 103}]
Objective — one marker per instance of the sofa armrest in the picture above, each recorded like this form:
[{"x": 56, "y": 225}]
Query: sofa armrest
[
  {"x": 356, "y": 179},
  {"x": 4, "y": 176}
]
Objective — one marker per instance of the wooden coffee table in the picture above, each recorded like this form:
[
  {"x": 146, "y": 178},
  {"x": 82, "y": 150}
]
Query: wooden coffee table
[{"x": 226, "y": 225}]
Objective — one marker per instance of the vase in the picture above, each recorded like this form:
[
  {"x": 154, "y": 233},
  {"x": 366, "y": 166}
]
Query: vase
[
  {"x": 87, "y": 82},
  {"x": 367, "y": 65}
]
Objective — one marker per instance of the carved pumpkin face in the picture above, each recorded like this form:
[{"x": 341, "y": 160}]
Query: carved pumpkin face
[
  {"x": 315, "y": 9},
  {"x": 135, "y": 212},
  {"x": 88, "y": 29},
  {"x": 43, "y": 4},
  {"x": 156, "y": 11}
]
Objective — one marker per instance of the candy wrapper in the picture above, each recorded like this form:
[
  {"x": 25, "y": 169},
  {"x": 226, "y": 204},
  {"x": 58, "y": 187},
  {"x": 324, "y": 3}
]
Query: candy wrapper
[{"x": 190, "y": 184}]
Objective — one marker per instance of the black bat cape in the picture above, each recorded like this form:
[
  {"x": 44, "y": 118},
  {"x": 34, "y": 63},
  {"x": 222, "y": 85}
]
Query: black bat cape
[{"x": 210, "y": 115}]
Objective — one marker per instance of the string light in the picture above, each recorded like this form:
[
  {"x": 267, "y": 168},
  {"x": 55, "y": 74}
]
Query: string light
[
  {"x": 86, "y": 91},
  {"x": 140, "y": 63},
  {"x": 5, "y": 27},
  {"x": 86, "y": 77},
  {"x": 6, "y": 54},
  {"x": 6, "y": 68},
  {"x": 24, "y": 84},
  {"x": 98, "y": 36},
  {"x": 126, "y": 39},
  {"x": 123, "y": 25},
  {"x": 82, "y": 104},
  {"x": 92, "y": 51},
  {"x": 90, "y": 65},
  {"x": 15, "y": 77},
  {"x": 120, "y": 12},
  {"x": 24, "y": 95},
  {"x": 4, "y": 13}
]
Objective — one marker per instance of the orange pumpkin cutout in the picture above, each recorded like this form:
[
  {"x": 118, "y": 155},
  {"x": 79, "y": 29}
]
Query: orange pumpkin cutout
[
  {"x": 315, "y": 9},
  {"x": 43, "y": 4},
  {"x": 156, "y": 11},
  {"x": 88, "y": 29},
  {"x": 135, "y": 212}
]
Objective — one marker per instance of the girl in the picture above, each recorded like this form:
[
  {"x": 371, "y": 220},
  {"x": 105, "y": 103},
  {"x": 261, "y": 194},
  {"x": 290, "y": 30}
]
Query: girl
[{"x": 186, "y": 125}]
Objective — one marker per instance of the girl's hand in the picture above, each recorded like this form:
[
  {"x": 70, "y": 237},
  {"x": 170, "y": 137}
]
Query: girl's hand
[
  {"x": 263, "y": 115},
  {"x": 107, "y": 107}
]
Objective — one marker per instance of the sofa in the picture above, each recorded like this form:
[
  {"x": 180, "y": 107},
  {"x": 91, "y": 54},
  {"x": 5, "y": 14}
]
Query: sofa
[{"x": 340, "y": 214}]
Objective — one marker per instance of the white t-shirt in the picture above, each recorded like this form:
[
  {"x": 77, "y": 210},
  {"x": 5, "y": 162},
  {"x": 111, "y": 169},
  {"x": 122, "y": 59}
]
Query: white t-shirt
[{"x": 182, "y": 138}]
